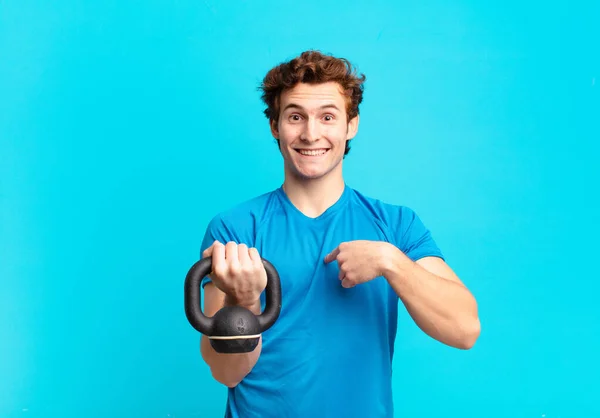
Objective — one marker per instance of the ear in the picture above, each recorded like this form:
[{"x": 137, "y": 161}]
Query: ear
[
  {"x": 353, "y": 127},
  {"x": 274, "y": 129}
]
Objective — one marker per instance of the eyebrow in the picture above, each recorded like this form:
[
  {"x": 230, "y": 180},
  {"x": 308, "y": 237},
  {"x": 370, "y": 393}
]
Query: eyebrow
[{"x": 297, "y": 106}]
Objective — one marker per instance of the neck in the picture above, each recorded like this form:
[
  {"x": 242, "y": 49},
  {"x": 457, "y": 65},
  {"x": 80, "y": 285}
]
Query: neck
[{"x": 313, "y": 197}]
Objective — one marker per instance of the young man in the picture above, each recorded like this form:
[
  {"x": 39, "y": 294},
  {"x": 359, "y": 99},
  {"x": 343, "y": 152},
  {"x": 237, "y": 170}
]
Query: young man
[{"x": 345, "y": 261}]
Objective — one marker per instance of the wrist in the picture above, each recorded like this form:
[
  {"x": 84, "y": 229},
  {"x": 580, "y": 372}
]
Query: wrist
[
  {"x": 253, "y": 306},
  {"x": 395, "y": 264}
]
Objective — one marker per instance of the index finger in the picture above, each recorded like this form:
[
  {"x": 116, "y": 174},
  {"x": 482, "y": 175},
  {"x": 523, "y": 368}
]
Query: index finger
[
  {"x": 332, "y": 255},
  {"x": 208, "y": 252}
]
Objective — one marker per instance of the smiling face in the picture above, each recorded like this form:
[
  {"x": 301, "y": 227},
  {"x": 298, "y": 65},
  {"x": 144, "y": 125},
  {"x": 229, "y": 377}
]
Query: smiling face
[{"x": 312, "y": 130}]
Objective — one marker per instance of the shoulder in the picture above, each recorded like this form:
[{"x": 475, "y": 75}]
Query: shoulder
[
  {"x": 240, "y": 221},
  {"x": 393, "y": 215},
  {"x": 403, "y": 223}
]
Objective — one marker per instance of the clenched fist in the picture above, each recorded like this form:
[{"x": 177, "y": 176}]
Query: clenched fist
[{"x": 238, "y": 271}]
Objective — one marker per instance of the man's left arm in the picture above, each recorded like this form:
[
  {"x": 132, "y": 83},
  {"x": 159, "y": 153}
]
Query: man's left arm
[{"x": 434, "y": 296}]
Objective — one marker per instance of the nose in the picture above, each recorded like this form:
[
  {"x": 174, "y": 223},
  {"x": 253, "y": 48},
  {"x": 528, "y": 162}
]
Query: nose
[{"x": 310, "y": 133}]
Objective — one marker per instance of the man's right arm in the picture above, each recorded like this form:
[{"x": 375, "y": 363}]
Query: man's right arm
[{"x": 228, "y": 369}]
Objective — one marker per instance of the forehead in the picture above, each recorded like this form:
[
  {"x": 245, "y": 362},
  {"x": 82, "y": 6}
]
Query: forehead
[{"x": 313, "y": 95}]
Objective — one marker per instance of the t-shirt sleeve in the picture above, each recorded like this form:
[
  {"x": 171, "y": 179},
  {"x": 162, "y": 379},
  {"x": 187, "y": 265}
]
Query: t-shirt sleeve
[{"x": 415, "y": 238}]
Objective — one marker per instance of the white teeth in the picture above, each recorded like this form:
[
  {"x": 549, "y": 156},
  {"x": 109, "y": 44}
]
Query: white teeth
[{"x": 313, "y": 152}]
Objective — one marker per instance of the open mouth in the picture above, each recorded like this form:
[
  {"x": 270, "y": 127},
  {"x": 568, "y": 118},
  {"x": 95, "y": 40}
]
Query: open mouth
[{"x": 312, "y": 152}]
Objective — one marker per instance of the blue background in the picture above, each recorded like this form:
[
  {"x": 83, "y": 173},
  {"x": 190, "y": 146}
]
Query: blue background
[{"x": 125, "y": 126}]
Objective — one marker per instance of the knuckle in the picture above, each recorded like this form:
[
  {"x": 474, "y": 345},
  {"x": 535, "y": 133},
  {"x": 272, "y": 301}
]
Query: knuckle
[
  {"x": 235, "y": 269},
  {"x": 219, "y": 272},
  {"x": 247, "y": 269},
  {"x": 255, "y": 255}
]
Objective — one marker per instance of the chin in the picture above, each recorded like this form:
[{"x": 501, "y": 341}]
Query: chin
[
  {"x": 307, "y": 176},
  {"x": 311, "y": 174},
  {"x": 307, "y": 172}
]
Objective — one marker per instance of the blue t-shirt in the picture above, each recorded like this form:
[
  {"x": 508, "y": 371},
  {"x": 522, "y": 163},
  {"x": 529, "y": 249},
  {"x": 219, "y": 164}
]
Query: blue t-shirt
[{"x": 330, "y": 352}]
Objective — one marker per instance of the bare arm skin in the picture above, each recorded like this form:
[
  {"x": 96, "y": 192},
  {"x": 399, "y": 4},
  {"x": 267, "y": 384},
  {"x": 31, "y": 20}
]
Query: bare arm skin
[
  {"x": 435, "y": 298},
  {"x": 238, "y": 278},
  {"x": 228, "y": 369}
]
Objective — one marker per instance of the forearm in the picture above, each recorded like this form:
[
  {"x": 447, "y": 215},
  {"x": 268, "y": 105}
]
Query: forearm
[
  {"x": 230, "y": 369},
  {"x": 442, "y": 308}
]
